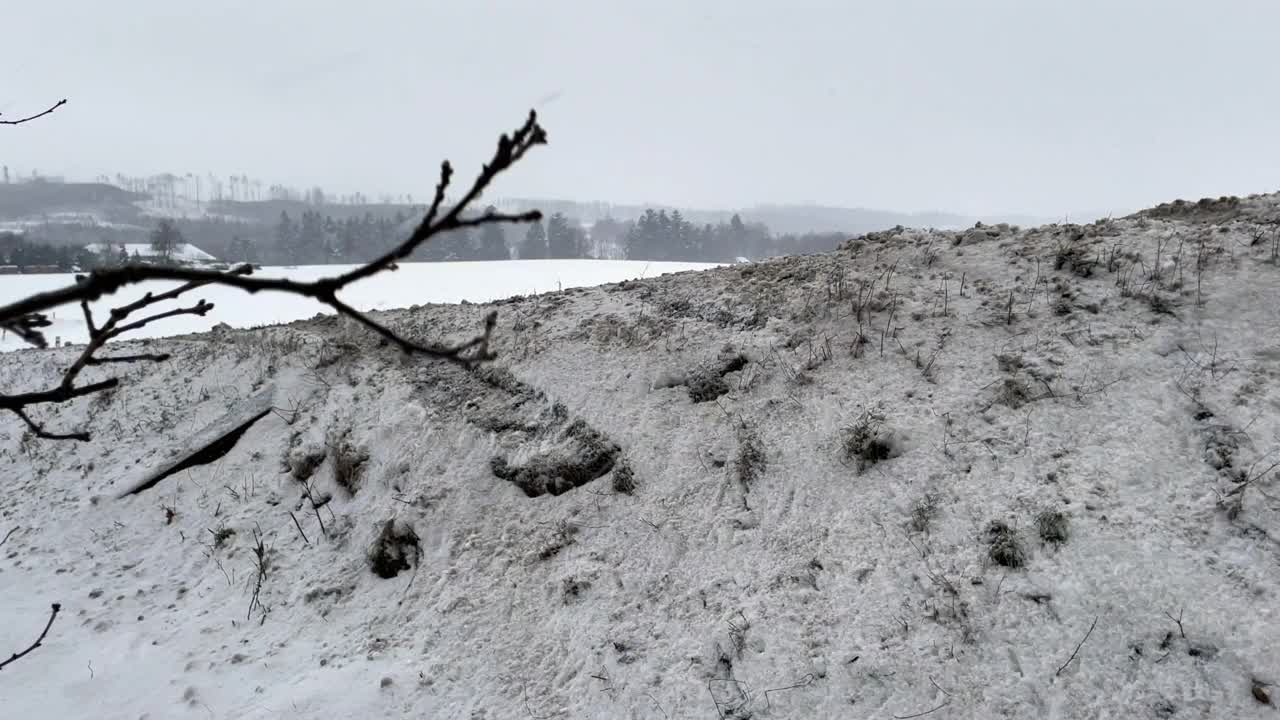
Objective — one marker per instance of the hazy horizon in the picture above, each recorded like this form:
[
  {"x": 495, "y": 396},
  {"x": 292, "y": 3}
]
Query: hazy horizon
[{"x": 997, "y": 108}]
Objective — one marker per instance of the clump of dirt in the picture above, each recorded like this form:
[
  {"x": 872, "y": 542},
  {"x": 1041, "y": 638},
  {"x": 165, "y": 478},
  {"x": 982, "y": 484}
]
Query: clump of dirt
[
  {"x": 624, "y": 478},
  {"x": 706, "y": 386},
  {"x": 304, "y": 461},
  {"x": 581, "y": 454},
  {"x": 396, "y": 543},
  {"x": 707, "y": 383}
]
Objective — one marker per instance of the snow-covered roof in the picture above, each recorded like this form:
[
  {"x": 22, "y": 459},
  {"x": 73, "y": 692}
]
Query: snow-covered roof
[{"x": 184, "y": 251}]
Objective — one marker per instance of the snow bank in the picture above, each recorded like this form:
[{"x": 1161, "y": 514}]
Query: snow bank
[{"x": 1071, "y": 517}]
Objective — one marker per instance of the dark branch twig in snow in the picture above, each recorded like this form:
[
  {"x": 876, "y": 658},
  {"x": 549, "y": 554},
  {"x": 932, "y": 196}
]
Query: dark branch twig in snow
[
  {"x": 11, "y": 532},
  {"x": 805, "y": 681},
  {"x": 1077, "y": 650},
  {"x": 260, "y": 566},
  {"x": 299, "y": 526},
  {"x": 922, "y": 714},
  {"x": 27, "y": 317},
  {"x": 19, "y": 655},
  {"x": 658, "y": 705}
]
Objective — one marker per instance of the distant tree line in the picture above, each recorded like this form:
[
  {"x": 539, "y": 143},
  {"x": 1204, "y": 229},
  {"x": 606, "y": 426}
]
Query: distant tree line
[
  {"x": 312, "y": 237},
  {"x": 17, "y": 251},
  {"x": 658, "y": 235}
]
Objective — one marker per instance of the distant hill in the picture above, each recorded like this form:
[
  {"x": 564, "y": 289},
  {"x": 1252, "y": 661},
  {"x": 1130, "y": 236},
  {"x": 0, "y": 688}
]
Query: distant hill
[
  {"x": 780, "y": 218},
  {"x": 819, "y": 218},
  {"x": 86, "y": 203},
  {"x": 60, "y": 214},
  {"x": 268, "y": 211},
  {"x": 37, "y": 198}
]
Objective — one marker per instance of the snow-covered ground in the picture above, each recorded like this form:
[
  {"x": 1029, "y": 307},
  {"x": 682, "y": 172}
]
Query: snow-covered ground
[
  {"x": 412, "y": 284},
  {"x": 985, "y": 474},
  {"x": 63, "y": 218}
]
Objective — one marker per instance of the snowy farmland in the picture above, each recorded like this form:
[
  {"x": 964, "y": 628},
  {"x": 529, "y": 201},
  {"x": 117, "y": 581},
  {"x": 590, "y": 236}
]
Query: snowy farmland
[{"x": 412, "y": 284}]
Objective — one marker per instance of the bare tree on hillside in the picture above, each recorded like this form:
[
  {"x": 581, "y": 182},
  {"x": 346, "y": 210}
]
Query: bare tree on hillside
[{"x": 27, "y": 317}]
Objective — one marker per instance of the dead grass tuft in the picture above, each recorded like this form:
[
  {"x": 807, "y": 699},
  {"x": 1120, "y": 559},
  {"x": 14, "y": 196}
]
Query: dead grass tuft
[
  {"x": 923, "y": 511},
  {"x": 866, "y": 441},
  {"x": 348, "y": 465},
  {"x": 1052, "y": 526},
  {"x": 1003, "y": 545},
  {"x": 1160, "y": 304}
]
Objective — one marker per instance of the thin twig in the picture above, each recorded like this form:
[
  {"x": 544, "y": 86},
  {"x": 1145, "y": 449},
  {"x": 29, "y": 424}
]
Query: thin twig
[
  {"x": 260, "y": 564},
  {"x": 18, "y": 655},
  {"x": 39, "y": 431},
  {"x": 6, "y": 535},
  {"x": 805, "y": 681},
  {"x": 144, "y": 357},
  {"x": 926, "y": 712},
  {"x": 658, "y": 705},
  {"x": 1178, "y": 620},
  {"x": 524, "y": 689},
  {"x": 299, "y": 526},
  {"x": 939, "y": 687},
  {"x": 37, "y": 116},
  {"x": 1077, "y": 650}
]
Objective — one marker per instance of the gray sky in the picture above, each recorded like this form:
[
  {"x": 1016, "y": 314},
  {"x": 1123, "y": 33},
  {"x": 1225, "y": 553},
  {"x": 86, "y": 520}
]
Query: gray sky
[{"x": 979, "y": 106}]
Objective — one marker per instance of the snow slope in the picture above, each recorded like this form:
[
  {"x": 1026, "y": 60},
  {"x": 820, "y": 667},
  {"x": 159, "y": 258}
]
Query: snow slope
[
  {"x": 1123, "y": 374},
  {"x": 412, "y": 284}
]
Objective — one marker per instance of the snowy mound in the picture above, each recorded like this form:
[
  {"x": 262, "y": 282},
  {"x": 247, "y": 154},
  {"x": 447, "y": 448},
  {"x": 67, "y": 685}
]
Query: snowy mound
[{"x": 995, "y": 472}]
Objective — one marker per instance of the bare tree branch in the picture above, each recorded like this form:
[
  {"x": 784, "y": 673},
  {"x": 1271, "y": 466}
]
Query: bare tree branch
[
  {"x": 1083, "y": 640},
  {"x": 56, "y": 105},
  {"x": 27, "y": 317},
  {"x": 18, "y": 655},
  {"x": 27, "y": 328},
  {"x": 39, "y": 431},
  {"x": 55, "y": 395},
  {"x": 145, "y": 357}
]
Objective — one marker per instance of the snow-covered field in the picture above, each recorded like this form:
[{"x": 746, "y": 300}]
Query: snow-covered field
[
  {"x": 412, "y": 284},
  {"x": 983, "y": 474},
  {"x": 91, "y": 219}
]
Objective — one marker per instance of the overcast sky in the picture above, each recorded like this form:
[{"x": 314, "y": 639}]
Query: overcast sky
[{"x": 1041, "y": 106}]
